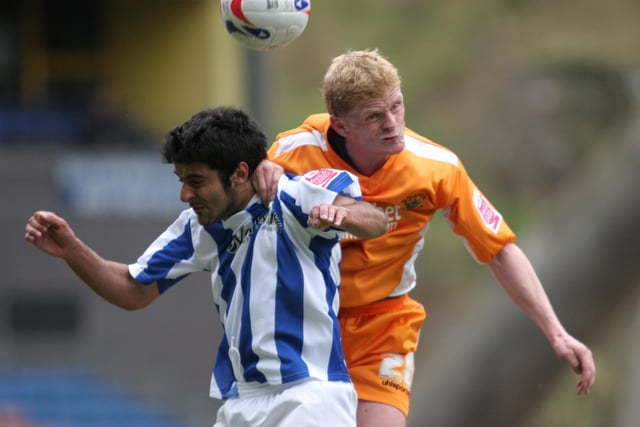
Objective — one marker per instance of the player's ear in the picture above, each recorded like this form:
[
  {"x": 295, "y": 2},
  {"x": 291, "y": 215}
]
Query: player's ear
[
  {"x": 337, "y": 123},
  {"x": 241, "y": 174}
]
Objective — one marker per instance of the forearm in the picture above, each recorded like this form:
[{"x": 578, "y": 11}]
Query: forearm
[
  {"x": 514, "y": 272},
  {"x": 364, "y": 220},
  {"x": 111, "y": 280}
]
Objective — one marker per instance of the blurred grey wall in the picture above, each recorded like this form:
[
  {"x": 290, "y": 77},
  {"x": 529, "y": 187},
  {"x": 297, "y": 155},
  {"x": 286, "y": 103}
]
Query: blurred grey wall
[{"x": 164, "y": 353}]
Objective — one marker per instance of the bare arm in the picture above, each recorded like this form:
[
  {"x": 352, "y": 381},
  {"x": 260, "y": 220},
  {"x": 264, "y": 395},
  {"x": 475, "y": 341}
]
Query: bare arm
[
  {"x": 514, "y": 272},
  {"x": 361, "y": 219},
  {"x": 109, "y": 279}
]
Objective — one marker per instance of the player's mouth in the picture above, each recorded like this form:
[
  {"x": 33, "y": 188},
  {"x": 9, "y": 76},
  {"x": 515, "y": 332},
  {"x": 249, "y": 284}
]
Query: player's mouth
[
  {"x": 198, "y": 209},
  {"x": 395, "y": 139}
]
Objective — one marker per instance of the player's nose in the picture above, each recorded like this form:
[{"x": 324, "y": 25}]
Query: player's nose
[{"x": 186, "y": 193}]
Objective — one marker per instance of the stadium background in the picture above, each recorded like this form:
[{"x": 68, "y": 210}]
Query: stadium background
[{"x": 539, "y": 99}]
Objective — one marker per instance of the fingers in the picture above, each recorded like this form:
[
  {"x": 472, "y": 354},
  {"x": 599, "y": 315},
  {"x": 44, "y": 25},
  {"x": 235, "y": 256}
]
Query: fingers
[
  {"x": 38, "y": 225},
  {"x": 35, "y": 227},
  {"x": 580, "y": 358},
  {"x": 587, "y": 370},
  {"x": 585, "y": 383},
  {"x": 259, "y": 183},
  {"x": 273, "y": 187},
  {"x": 324, "y": 216},
  {"x": 265, "y": 180},
  {"x": 332, "y": 214}
]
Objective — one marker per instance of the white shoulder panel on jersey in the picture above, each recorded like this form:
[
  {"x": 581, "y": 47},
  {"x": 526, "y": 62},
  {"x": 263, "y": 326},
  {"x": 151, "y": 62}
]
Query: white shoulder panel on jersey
[
  {"x": 299, "y": 139},
  {"x": 429, "y": 151}
]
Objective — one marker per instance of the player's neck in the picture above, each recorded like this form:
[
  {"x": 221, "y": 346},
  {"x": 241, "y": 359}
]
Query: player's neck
[
  {"x": 364, "y": 165},
  {"x": 367, "y": 164}
]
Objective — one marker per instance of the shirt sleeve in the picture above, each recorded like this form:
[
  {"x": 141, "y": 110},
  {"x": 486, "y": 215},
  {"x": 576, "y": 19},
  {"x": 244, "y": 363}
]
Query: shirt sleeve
[
  {"x": 472, "y": 216},
  {"x": 172, "y": 256},
  {"x": 324, "y": 185},
  {"x": 301, "y": 193}
]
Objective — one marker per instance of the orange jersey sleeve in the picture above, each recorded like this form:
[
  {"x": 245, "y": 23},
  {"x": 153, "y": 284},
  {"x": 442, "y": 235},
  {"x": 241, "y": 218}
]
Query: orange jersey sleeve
[{"x": 410, "y": 187}]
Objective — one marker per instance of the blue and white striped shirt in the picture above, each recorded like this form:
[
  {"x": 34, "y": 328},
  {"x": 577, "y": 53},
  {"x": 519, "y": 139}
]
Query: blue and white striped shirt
[{"x": 275, "y": 284}]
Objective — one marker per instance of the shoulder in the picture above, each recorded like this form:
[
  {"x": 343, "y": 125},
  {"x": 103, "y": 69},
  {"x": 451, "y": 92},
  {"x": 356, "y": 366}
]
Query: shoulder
[
  {"x": 424, "y": 148},
  {"x": 320, "y": 186},
  {"x": 336, "y": 180},
  {"x": 312, "y": 133}
]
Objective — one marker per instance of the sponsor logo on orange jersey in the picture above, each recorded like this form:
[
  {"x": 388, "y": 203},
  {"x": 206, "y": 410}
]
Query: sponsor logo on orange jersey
[
  {"x": 414, "y": 200},
  {"x": 491, "y": 217}
]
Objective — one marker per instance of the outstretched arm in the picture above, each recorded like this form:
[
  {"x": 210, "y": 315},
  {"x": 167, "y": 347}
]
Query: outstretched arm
[
  {"x": 514, "y": 272},
  {"x": 111, "y": 280},
  {"x": 361, "y": 219}
]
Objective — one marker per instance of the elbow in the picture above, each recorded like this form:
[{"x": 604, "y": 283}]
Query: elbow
[
  {"x": 132, "y": 306},
  {"x": 139, "y": 300},
  {"x": 381, "y": 224},
  {"x": 377, "y": 228},
  {"x": 367, "y": 225},
  {"x": 379, "y": 231}
]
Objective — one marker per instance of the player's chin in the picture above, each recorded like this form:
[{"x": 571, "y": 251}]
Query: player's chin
[
  {"x": 203, "y": 219},
  {"x": 203, "y": 222},
  {"x": 395, "y": 147},
  {"x": 394, "y": 142}
]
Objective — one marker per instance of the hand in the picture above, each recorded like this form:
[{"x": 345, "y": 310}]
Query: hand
[
  {"x": 49, "y": 233},
  {"x": 265, "y": 180},
  {"x": 325, "y": 215},
  {"x": 581, "y": 360}
]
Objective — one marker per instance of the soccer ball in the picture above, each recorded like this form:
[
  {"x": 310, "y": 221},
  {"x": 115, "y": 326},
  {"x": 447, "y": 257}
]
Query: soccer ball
[{"x": 265, "y": 24}]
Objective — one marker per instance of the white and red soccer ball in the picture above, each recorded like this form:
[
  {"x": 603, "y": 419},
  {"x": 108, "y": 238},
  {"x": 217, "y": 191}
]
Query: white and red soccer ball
[{"x": 265, "y": 24}]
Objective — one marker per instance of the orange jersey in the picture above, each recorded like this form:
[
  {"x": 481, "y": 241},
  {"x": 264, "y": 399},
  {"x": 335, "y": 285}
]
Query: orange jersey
[{"x": 410, "y": 187}]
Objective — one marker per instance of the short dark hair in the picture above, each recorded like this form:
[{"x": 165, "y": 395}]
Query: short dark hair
[{"x": 220, "y": 137}]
